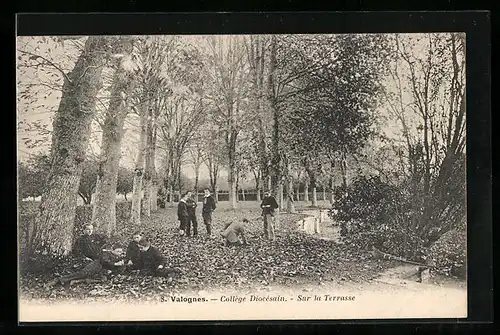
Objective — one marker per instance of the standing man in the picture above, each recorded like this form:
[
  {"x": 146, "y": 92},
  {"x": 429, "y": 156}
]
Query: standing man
[
  {"x": 192, "y": 203},
  {"x": 183, "y": 216},
  {"x": 208, "y": 207},
  {"x": 268, "y": 206}
]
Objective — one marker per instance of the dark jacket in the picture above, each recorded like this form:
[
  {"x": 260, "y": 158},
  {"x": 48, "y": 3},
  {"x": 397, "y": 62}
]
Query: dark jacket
[
  {"x": 182, "y": 212},
  {"x": 191, "y": 207},
  {"x": 133, "y": 253},
  {"x": 89, "y": 246},
  {"x": 208, "y": 204},
  {"x": 151, "y": 259},
  {"x": 268, "y": 201},
  {"x": 108, "y": 259}
]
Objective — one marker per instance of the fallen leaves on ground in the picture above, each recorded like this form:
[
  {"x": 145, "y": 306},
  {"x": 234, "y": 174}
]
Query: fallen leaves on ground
[{"x": 292, "y": 259}]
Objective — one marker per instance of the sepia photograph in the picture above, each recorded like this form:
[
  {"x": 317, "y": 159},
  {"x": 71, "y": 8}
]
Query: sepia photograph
[{"x": 241, "y": 177}]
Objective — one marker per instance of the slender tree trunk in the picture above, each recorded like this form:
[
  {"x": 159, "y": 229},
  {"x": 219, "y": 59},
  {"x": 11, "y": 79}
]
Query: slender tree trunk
[
  {"x": 324, "y": 193},
  {"x": 276, "y": 158},
  {"x": 170, "y": 194},
  {"x": 314, "y": 197},
  {"x": 281, "y": 197},
  {"x": 196, "y": 179},
  {"x": 53, "y": 225},
  {"x": 154, "y": 174},
  {"x": 148, "y": 171},
  {"x": 306, "y": 191},
  {"x": 135, "y": 216},
  {"x": 258, "y": 187},
  {"x": 343, "y": 169},
  {"x": 104, "y": 218},
  {"x": 154, "y": 196},
  {"x": 232, "y": 191},
  {"x": 332, "y": 182},
  {"x": 232, "y": 168},
  {"x": 290, "y": 206}
]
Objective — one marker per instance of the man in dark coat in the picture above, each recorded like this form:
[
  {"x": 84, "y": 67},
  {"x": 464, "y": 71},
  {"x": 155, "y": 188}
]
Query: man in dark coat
[
  {"x": 89, "y": 245},
  {"x": 133, "y": 253},
  {"x": 151, "y": 261},
  {"x": 183, "y": 216},
  {"x": 191, "y": 203},
  {"x": 208, "y": 207},
  {"x": 268, "y": 206}
]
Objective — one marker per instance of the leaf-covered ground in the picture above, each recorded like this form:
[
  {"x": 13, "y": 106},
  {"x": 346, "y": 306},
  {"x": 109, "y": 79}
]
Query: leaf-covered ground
[{"x": 293, "y": 259}]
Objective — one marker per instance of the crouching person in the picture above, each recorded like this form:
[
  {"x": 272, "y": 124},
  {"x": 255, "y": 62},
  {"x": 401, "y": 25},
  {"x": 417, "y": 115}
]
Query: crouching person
[
  {"x": 234, "y": 234},
  {"x": 151, "y": 261}
]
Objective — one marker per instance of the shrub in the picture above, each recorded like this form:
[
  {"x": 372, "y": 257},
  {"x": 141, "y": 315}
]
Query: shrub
[
  {"x": 448, "y": 254},
  {"x": 374, "y": 213}
]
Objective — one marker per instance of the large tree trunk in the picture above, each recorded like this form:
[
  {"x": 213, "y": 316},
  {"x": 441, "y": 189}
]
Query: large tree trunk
[
  {"x": 53, "y": 226},
  {"x": 95, "y": 195},
  {"x": 135, "y": 216},
  {"x": 104, "y": 218}
]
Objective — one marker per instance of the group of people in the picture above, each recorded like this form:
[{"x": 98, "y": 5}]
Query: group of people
[
  {"x": 100, "y": 255},
  {"x": 186, "y": 213},
  {"x": 233, "y": 233}
]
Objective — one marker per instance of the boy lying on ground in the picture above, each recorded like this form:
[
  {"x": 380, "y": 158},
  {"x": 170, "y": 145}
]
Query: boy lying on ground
[
  {"x": 107, "y": 261},
  {"x": 151, "y": 261},
  {"x": 233, "y": 232}
]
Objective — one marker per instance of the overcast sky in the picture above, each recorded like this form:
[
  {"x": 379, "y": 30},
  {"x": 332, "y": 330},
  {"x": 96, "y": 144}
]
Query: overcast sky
[{"x": 43, "y": 105}]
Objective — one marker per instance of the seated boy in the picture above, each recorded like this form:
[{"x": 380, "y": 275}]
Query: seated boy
[
  {"x": 151, "y": 261},
  {"x": 233, "y": 232},
  {"x": 133, "y": 255}
]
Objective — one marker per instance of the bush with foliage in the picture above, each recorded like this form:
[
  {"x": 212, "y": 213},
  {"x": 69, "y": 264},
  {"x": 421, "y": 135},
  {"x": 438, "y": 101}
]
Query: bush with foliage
[
  {"x": 372, "y": 212},
  {"x": 448, "y": 255}
]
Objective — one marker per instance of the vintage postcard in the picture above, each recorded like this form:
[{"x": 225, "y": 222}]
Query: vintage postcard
[{"x": 241, "y": 177}]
